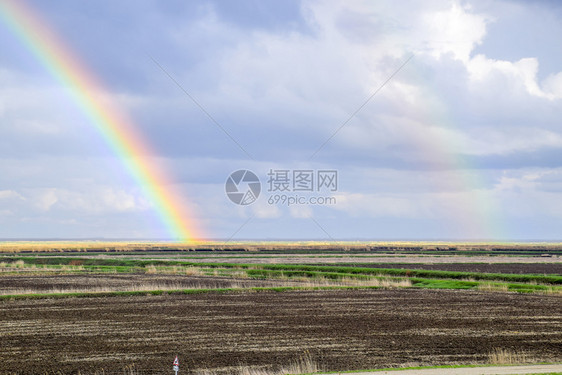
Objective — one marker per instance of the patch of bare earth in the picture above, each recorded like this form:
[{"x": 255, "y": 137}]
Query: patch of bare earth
[{"x": 340, "y": 330}]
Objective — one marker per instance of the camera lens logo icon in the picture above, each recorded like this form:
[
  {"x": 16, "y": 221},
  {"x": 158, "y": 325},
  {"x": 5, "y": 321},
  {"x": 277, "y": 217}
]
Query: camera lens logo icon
[{"x": 243, "y": 187}]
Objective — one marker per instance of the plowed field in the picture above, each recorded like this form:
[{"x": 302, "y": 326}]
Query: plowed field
[{"x": 341, "y": 330}]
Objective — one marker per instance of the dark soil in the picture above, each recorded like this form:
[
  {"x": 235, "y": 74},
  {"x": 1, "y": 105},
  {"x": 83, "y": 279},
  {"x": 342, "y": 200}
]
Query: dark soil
[{"x": 341, "y": 330}]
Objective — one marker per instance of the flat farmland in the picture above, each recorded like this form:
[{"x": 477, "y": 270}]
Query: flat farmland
[
  {"x": 340, "y": 330},
  {"x": 344, "y": 259},
  {"x": 224, "y": 312},
  {"x": 68, "y": 283}
]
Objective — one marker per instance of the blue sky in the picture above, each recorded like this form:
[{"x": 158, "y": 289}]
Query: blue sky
[{"x": 463, "y": 143}]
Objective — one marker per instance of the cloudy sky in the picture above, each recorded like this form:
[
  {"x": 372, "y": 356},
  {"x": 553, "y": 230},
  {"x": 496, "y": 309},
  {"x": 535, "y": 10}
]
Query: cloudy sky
[{"x": 442, "y": 119}]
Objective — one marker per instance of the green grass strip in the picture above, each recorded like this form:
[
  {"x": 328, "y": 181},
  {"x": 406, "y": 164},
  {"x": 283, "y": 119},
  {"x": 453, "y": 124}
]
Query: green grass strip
[{"x": 313, "y": 271}]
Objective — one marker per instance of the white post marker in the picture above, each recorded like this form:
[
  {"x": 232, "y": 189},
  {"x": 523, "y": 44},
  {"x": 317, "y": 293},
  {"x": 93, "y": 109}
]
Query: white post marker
[{"x": 176, "y": 365}]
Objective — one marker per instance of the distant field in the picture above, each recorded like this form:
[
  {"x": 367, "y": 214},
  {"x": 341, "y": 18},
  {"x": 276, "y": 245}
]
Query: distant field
[
  {"x": 118, "y": 311},
  {"x": 305, "y": 247}
]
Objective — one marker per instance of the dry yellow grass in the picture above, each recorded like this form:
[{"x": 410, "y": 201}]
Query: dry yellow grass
[
  {"x": 193, "y": 271},
  {"x": 309, "y": 282},
  {"x": 552, "y": 290},
  {"x": 383, "y": 282},
  {"x": 175, "y": 270},
  {"x": 303, "y": 365},
  {"x": 13, "y": 265},
  {"x": 20, "y": 267},
  {"x": 501, "y": 356},
  {"x": 493, "y": 287},
  {"x": 89, "y": 246},
  {"x": 140, "y": 287}
]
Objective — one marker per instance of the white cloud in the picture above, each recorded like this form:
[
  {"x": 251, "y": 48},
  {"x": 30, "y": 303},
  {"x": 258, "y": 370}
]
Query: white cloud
[
  {"x": 518, "y": 75},
  {"x": 96, "y": 200},
  {"x": 552, "y": 86},
  {"x": 10, "y": 194},
  {"x": 261, "y": 209},
  {"x": 453, "y": 31},
  {"x": 377, "y": 205},
  {"x": 490, "y": 141},
  {"x": 45, "y": 199},
  {"x": 301, "y": 211}
]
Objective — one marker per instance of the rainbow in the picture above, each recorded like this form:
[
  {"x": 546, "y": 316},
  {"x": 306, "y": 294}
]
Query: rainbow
[
  {"x": 469, "y": 208},
  {"x": 113, "y": 125}
]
